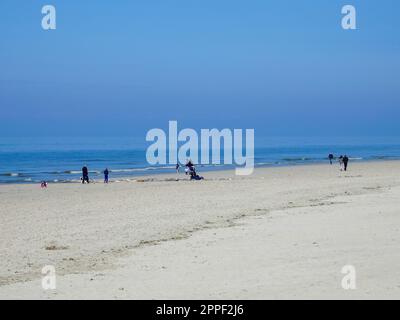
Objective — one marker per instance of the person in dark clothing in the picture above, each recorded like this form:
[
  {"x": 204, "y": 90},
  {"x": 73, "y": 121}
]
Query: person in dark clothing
[
  {"x": 189, "y": 167},
  {"x": 330, "y": 157},
  {"x": 345, "y": 162},
  {"x": 341, "y": 163},
  {"x": 191, "y": 171},
  {"x": 106, "y": 175},
  {"x": 85, "y": 174},
  {"x": 189, "y": 164}
]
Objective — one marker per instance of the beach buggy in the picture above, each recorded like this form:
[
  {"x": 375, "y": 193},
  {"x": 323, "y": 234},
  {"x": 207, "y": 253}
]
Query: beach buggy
[{"x": 191, "y": 171}]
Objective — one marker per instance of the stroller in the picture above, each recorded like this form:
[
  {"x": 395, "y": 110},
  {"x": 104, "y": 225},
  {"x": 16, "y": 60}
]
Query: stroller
[{"x": 191, "y": 170}]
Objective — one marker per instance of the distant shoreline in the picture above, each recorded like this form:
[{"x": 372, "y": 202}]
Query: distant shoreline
[
  {"x": 56, "y": 160},
  {"x": 162, "y": 176}
]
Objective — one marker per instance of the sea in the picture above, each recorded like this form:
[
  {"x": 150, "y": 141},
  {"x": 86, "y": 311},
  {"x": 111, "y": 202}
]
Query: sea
[{"x": 60, "y": 159}]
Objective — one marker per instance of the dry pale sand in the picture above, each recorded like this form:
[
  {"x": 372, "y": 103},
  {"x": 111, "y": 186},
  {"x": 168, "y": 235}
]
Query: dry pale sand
[{"x": 280, "y": 233}]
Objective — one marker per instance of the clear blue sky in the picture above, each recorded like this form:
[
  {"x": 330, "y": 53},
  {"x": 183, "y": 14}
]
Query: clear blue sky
[{"x": 123, "y": 67}]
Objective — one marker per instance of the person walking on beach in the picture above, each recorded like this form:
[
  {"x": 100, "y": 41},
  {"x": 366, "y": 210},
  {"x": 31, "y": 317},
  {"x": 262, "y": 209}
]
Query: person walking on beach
[
  {"x": 85, "y": 174},
  {"x": 177, "y": 167},
  {"x": 106, "y": 175},
  {"x": 345, "y": 162},
  {"x": 341, "y": 163},
  {"x": 330, "y": 157}
]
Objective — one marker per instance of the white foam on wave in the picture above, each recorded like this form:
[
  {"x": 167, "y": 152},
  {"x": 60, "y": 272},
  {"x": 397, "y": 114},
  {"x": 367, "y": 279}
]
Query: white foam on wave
[
  {"x": 264, "y": 163},
  {"x": 140, "y": 169},
  {"x": 72, "y": 172},
  {"x": 79, "y": 172}
]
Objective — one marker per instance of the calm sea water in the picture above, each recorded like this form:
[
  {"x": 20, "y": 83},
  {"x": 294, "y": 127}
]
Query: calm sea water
[{"x": 31, "y": 160}]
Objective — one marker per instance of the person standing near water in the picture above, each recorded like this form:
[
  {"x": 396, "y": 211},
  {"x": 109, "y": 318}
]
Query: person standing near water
[
  {"x": 330, "y": 157},
  {"x": 345, "y": 162},
  {"x": 85, "y": 174},
  {"x": 106, "y": 175}
]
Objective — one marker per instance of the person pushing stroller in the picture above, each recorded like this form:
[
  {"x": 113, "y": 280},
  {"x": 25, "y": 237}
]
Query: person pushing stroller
[{"x": 191, "y": 171}]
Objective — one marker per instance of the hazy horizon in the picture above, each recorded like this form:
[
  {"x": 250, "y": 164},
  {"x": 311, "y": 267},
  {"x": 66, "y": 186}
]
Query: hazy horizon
[{"x": 120, "y": 69}]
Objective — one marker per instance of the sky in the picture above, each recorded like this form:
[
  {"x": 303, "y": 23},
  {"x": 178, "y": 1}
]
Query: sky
[{"x": 120, "y": 68}]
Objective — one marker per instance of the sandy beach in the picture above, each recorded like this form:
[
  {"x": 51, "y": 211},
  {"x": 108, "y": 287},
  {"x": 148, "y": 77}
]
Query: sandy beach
[{"x": 283, "y": 232}]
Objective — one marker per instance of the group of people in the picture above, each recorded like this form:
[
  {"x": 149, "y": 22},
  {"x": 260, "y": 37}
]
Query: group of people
[
  {"x": 343, "y": 161},
  {"x": 85, "y": 175},
  {"x": 189, "y": 170}
]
